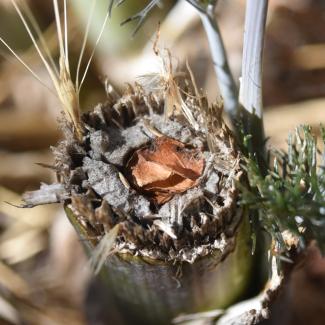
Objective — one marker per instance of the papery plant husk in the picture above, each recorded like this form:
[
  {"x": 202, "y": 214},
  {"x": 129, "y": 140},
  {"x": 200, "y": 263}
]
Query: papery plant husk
[{"x": 180, "y": 243}]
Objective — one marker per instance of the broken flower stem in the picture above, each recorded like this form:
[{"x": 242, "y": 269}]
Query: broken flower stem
[
  {"x": 225, "y": 78},
  {"x": 182, "y": 253},
  {"x": 159, "y": 287}
]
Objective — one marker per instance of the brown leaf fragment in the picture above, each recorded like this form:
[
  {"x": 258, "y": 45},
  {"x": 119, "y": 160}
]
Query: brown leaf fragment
[
  {"x": 165, "y": 168},
  {"x": 147, "y": 172}
]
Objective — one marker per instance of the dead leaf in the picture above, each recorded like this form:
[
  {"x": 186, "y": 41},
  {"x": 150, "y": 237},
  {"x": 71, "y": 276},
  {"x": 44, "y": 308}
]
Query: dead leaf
[{"x": 165, "y": 168}]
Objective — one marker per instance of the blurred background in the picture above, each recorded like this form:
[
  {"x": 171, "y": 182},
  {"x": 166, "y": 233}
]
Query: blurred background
[{"x": 43, "y": 270}]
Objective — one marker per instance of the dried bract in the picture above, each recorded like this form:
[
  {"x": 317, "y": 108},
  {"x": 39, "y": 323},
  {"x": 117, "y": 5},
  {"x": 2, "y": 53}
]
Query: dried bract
[{"x": 166, "y": 168}]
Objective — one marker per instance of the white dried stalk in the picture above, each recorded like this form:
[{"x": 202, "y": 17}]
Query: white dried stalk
[
  {"x": 250, "y": 99},
  {"x": 251, "y": 81}
]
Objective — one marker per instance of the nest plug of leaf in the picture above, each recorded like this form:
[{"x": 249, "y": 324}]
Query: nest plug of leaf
[{"x": 159, "y": 164}]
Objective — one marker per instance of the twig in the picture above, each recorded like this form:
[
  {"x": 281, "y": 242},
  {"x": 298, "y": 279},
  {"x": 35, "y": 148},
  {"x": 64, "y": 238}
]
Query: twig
[
  {"x": 141, "y": 16},
  {"x": 226, "y": 81},
  {"x": 197, "y": 5}
]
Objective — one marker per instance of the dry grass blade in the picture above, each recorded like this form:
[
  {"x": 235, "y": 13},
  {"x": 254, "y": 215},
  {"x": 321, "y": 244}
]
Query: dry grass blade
[
  {"x": 28, "y": 68},
  {"x": 39, "y": 34},
  {"x": 108, "y": 14},
  {"x": 13, "y": 282},
  {"x": 62, "y": 84},
  {"x": 165, "y": 81},
  {"x": 67, "y": 91},
  {"x": 103, "y": 249},
  {"x": 84, "y": 41}
]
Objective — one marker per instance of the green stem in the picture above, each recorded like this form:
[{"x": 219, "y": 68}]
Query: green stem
[{"x": 150, "y": 291}]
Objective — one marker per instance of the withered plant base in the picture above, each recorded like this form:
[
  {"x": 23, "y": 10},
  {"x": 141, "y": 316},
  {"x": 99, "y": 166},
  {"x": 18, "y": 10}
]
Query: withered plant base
[{"x": 99, "y": 180}]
